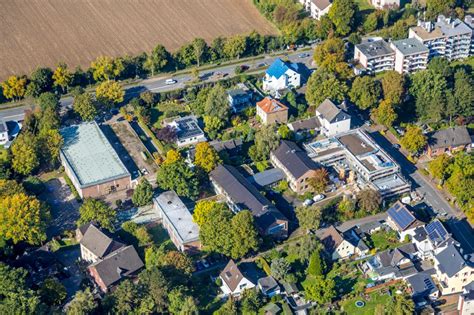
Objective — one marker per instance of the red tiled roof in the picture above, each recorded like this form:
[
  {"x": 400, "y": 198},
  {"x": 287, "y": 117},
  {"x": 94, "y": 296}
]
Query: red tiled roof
[{"x": 269, "y": 105}]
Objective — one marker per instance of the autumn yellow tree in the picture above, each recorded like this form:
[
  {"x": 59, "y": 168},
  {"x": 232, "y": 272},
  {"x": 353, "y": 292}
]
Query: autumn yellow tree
[
  {"x": 109, "y": 93},
  {"x": 62, "y": 76},
  {"x": 14, "y": 88},
  {"x": 23, "y": 218},
  {"x": 385, "y": 114},
  {"x": 172, "y": 156},
  {"x": 25, "y": 154},
  {"x": 206, "y": 157},
  {"x": 106, "y": 68},
  {"x": 319, "y": 180}
]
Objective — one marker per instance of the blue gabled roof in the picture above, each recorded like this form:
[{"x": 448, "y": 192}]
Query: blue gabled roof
[{"x": 279, "y": 68}]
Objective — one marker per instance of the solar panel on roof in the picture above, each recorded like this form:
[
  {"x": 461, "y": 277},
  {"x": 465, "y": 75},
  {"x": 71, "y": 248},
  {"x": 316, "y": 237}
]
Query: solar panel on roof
[
  {"x": 402, "y": 217},
  {"x": 436, "y": 231}
]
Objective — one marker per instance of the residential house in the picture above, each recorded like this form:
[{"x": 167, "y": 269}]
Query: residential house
[
  {"x": 296, "y": 165},
  {"x": 392, "y": 263},
  {"x": 401, "y": 219},
  {"x": 447, "y": 37},
  {"x": 241, "y": 195},
  {"x": 454, "y": 270},
  {"x": 410, "y": 55},
  {"x": 305, "y": 127},
  {"x": 375, "y": 56},
  {"x": 178, "y": 221},
  {"x": 422, "y": 286},
  {"x": 3, "y": 132},
  {"x": 281, "y": 75},
  {"x": 369, "y": 228},
  {"x": 466, "y": 300},
  {"x": 316, "y": 8},
  {"x": 110, "y": 261},
  {"x": 188, "y": 131},
  {"x": 335, "y": 244},
  {"x": 430, "y": 239},
  {"x": 332, "y": 118},
  {"x": 268, "y": 286},
  {"x": 230, "y": 147},
  {"x": 468, "y": 19},
  {"x": 272, "y": 111},
  {"x": 233, "y": 280},
  {"x": 385, "y": 4},
  {"x": 360, "y": 248},
  {"x": 449, "y": 140},
  {"x": 239, "y": 98},
  {"x": 356, "y": 154}
]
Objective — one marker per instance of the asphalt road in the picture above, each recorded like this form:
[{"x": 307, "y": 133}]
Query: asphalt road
[{"x": 158, "y": 85}]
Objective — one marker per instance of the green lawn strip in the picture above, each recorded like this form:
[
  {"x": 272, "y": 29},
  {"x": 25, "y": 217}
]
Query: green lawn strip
[
  {"x": 369, "y": 308},
  {"x": 383, "y": 240},
  {"x": 158, "y": 234}
]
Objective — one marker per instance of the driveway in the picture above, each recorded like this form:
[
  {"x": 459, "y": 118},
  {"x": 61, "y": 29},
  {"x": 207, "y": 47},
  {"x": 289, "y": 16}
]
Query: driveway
[
  {"x": 64, "y": 207},
  {"x": 69, "y": 256}
]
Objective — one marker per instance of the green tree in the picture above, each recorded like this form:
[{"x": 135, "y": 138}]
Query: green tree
[
  {"x": 23, "y": 218},
  {"x": 180, "y": 303},
  {"x": 234, "y": 46},
  {"x": 244, "y": 234},
  {"x": 429, "y": 90},
  {"x": 217, "y": 104},
  {"x": 319, "y": 180},
  {"x": 346, "y": 207},
  {"x": 106, "y": 68},
  {"x": 267, "y": 139},
  {"x": 158, "y": 59},
  {"x": 329, "y": 53},
  {"x": 155, "y": 285},
  {"x": 280, "y": 268},
  {"x": 203, "y": 210},
  {"x": 14, "y": 88},
  {"x": 319, "y": 289},
  {"x": 393, "y": 87},
  {"x": 365, "y": 92},
  {"x": 212, "y": 126},
  {"x": 97, "y": 211},
  {"x": 51, "y": 142},
  {"x": 308, "y": 217},
  {"x": 25, "y": 157},
  {"x": 143, "y": 193},
  {"x": 109, "y": 93},
  {"x": 179, "y": 261},
  {"x": 228, "y": 308},
  {"x": 82, "y": 304},
  {"x": 285, "y": 132},
  {"x": 371, "y": 22},
  {"x": 41, "y": 81},
  {"x": 385, "y": 114},
  {"x": 401, "y": 305},
  {"x": 316, "y": 264},
  {"x": 206, "y": 157},
  {"x": 200, "y": 49},
  {"x": 463, "y": 93},
  {"x": 10, "y": 188},
  {"x": 84, "y": 105},
  {"x": 125, "y": 298},
  {"x": 369, "y": 200},
  {"x": 322, "y": 85},
  {"x": 437, "y": 7},
  {"x": 343, "y": 13},
  {"x": 413, "y": 140},
  {"x": 17, "y": 298},
  {"x": 62, "y": 77},
  {"x": 460, "y": 181},
  {"x": 48, "y": 100},
  {"x": 53, "y": 292},
  {"x": 439, "y": 167},
  {"x": 251, "y": 302},
  {"x": 440, "y": 65},
  {"x": 179, "y": 177},
  {"x": 215, "y": 233}
]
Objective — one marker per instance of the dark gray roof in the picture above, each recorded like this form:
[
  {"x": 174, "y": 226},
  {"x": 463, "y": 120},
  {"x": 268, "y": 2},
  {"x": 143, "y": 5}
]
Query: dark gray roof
[
  {"x": 121, "y": 263},
  {"x": 98, "y": 242},
  {"x": 422, "y": 284},
  {"x": 469, "y": 292},
  {"x": 410, "y": 46},
  {"x": 245, "y": 195},
  {"x": 294, "y": 159},
  {"x": 267, "y": 177},
  {"x": 331, "y": 112},
  {"x": 375, "y": 49},
  {"x": 267, "y": 284},
  {"x": 451, "y": 137},
  {"x": 451, "y": 261},
  {"x": 392, "y": 257},
  {"x": 305, "y": 124},
  {"x": 232, "y": 146},
  {"x": 369, "y": 226}
]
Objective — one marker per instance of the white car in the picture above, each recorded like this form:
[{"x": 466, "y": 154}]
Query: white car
[
  {"x": 170, "y": 81},
  {"x": 307, "y": 202},
  {"x": 318, "y": 197}
]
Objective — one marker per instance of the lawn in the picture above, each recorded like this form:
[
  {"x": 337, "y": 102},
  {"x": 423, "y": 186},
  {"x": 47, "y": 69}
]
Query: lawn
[
  {"x": 370, "y": 305},
  {"x": 158, "y": 234},
  {"x": 382, "y": 240}
]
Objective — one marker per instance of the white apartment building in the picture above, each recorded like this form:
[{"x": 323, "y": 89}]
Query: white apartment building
[
  {"x": 410, "y": 55},
  {"x": 281, "y": 75},
  {"x": 375, "y": 56},
  {"x": 333, "y": 119},
  {"x": 469, "y": 20},
  {"x": 316, "y": 8},
  {"x": 449, "y": 38},
  {"x": 384, "y": 4}
]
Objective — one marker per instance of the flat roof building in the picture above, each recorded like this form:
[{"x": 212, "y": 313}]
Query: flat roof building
[
  {"x": 188, "y": 131},
  {"x": 410, "y": 55},
  {"x": 356, "y": 151},
  {"x": 178, "y": 221},
  {"x": 91, "y": 162},
  {"x": 375, "y": 56}
]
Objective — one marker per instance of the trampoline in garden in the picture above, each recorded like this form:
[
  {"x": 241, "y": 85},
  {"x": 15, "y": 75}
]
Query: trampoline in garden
[{"x": 359, "y": 304}]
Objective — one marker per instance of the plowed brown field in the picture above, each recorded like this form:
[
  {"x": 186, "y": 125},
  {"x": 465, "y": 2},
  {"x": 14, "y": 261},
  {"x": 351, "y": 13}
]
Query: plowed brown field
[{"x": 44, "y": 32}]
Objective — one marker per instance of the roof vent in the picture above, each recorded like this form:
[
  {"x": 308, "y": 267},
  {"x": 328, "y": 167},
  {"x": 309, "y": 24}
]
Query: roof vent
[{"x": 170, "y": 202}]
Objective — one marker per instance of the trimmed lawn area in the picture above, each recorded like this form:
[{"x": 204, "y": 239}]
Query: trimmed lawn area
[
  {"x": 370, "y": 305},
  {"x": 383, "y": 240}
]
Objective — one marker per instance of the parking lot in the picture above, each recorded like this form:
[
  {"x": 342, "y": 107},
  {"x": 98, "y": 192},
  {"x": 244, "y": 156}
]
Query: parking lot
[{"x": 129, "y": 148}]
